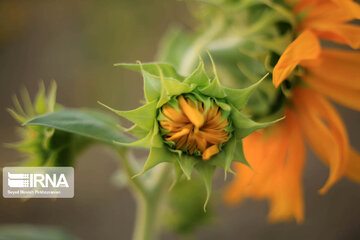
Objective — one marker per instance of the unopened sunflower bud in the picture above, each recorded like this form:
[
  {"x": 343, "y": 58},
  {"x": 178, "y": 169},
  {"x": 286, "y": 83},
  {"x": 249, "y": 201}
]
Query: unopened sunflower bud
[
  {"x": 193, "y": 127},
  {"x": 192, "y": 122},
  {"x": 44, "y": 146}
]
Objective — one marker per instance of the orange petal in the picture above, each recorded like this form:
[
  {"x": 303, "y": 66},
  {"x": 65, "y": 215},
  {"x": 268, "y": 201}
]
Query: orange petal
[
  {"x": 254, "y": 151},
  {"x": 305, "y": 47},
  {"x": 325, "y": 131},
  {"x": 336, "y": 66},
  {"x": 193, "y": 114},
  {"x": 325, "y": 12},
  {"x": 350, "y": 6},
  {"x": 287, "y": 201},
  {"x": 343, "y": 95},
  {"x": 339, "y": 33},
  {"x": 210, "y": 151},
  {"x": 353, "y": 166}
]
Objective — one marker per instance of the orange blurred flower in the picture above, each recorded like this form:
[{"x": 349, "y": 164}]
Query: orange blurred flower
[{"x": 277, "y": 154}]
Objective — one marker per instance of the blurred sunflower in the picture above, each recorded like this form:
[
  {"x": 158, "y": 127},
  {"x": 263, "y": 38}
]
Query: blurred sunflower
[{"x": 314, "y": 74}]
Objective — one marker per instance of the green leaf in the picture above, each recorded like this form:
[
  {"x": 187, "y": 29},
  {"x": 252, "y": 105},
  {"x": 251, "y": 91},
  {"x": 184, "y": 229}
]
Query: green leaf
[
  {"x": 206, "y": 171},
  {"x": 184, "y": 206},
  {"x": 87, "y": 123},
  {"x": 143, "y": 116},
  {"x": 244, "y": 125},
  {"x": 239, "y": 97},
  {"x": 28, "y": 232}
]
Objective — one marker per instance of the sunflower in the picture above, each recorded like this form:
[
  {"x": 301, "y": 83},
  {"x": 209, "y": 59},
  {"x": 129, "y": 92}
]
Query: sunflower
[{"x": 317, "y": 74}]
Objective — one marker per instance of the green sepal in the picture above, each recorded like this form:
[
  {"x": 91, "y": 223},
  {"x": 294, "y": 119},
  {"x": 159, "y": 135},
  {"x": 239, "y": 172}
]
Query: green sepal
[
  {"x": 156, "y": 156},
  {"x": 244, "y": 125},
  {"x": 137, "y": 131},
  {"x": 152, "y": 139},
  {"x": 206, "y": 172},
  {"x": 225, "y": 157},
  {"x": 171, "y": 87},
  {"x": 178, "y": 174},
  {"x": 143, "y": 116},
  {"x": 214, "y": 89},
  {"x": 199, "y": 76},
  {"x": 239, "y": 97},
  {"x": 187, "y": 164},
  {"x": 239, "y": 155}
]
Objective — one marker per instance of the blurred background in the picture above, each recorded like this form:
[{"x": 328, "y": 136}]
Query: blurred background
[{"x": 76, "y": 43}]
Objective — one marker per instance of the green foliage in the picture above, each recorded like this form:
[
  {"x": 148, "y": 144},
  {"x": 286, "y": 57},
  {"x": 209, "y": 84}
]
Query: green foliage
[
  {"x": 184, "y": 212},
  {"x": 29, "y": 232},
  {"x": 91, "y": 124}
]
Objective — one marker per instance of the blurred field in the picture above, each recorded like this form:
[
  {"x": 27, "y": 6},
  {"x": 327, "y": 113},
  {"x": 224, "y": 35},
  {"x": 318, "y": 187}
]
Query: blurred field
[{"x": 76, "y": 42}]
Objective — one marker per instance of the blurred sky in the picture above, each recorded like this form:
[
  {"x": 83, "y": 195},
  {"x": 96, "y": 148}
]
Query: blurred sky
[{"x": 76, "y": 42}]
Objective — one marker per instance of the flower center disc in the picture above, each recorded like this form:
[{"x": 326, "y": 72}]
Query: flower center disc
[{"x": 194, "y": 129}]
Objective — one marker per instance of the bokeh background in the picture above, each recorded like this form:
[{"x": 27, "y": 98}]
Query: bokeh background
[{"x": 76, "y": 43}]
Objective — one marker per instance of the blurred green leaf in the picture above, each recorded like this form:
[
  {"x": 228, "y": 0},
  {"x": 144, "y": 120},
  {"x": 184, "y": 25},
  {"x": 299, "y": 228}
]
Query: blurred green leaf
[
  {"x": 88, "y": 123},
  {"x": 185, "y": 206},
  {"x": 28, "y": 232}
]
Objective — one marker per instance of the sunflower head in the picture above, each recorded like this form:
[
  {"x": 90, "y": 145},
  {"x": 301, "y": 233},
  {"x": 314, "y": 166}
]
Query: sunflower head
[
  {"x": 197, "y": 126},
  {"x": 190, "y": 121}
]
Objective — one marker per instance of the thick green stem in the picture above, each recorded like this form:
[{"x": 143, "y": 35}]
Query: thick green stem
[{"x": 149, "y": 197}]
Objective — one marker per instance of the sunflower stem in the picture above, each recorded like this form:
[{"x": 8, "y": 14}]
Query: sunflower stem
[{"x": 149, "y": 197}]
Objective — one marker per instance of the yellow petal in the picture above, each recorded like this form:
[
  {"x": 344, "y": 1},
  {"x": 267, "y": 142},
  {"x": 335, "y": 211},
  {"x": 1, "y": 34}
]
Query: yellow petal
[{"x": 305, "y": 47}]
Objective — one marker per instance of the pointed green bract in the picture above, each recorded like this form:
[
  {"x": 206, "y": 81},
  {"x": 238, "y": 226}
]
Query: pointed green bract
[
  {"x": 244, "y": 125},
  {"x": 187, "y": 164},
  {"x": 199, "y": 76},
  {"x": 156, "y": 156},
  {"x": 40, "y": 100},
  {"x": 239, "y": 155},
  {"x": 239, "y": 97},
  {"x": 152, "y": 139},
  {"x": 142, "y": 116},
  {"x": 206, "y": 172}
]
